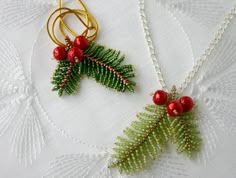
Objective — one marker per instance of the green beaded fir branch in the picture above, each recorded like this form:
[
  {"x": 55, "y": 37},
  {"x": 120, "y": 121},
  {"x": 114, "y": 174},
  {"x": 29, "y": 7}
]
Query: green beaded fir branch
[
  {"x": 147, "y": 138},
  {"x": 185, "y": 134},
  {"x": 66, "y": 77},
  {"x": 104, "y": 65}
]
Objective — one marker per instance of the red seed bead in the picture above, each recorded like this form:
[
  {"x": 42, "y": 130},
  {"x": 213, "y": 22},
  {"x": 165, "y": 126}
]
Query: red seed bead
[
  {"x": 81, "y": 42},
  {"x": 160, "y": 97},
  {"x": 174, "y": 108},
  {"x": 59, "y": 53},
  {"x": 75, "y": 54},
  {"x": 187, "y": 103}
]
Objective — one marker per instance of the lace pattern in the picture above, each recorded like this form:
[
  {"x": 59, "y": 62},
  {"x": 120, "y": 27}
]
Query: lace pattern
[
  {"x": 21, "y": 111},
  {"x": 16, "y": 107}
]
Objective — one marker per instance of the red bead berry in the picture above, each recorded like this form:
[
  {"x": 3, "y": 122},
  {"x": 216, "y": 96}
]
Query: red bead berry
[
  {"x": 160, "y": 97},
  {"x": 187, "y": 103},
  {"x": 174, "y": 108},
  {"x": 59, "y": 53},
  {"x": 75, "y": 54},
  {"x": 81, "y": 42}
]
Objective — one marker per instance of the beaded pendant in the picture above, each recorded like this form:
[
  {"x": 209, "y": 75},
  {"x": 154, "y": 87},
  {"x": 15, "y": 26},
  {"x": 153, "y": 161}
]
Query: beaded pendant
[
  {"x": 83, "y": 56},
  {"x": 169, "y": 119},
  {"x": 80, "y": 58}
]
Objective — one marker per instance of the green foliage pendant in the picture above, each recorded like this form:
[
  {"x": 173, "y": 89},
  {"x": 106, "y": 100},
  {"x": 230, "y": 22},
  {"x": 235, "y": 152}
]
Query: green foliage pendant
[
  {"x": 167, "y": 120},
  {"x": 104, "y": 65}
]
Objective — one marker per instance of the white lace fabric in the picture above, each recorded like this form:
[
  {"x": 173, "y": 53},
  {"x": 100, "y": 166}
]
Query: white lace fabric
[{"x": 43, "y": 135}]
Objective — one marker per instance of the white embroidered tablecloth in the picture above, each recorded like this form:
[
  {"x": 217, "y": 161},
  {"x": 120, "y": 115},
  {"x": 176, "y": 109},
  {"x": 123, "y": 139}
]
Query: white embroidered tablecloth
[{"x": 43, "y": 135}]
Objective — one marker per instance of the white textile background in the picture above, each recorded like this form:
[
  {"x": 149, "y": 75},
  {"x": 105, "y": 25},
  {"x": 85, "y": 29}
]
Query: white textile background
[{"x": 43, "y": 135}]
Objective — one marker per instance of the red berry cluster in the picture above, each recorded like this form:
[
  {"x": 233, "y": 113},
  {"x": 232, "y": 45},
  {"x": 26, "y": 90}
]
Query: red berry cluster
[
  {"x": 74, "y": 54},
  {"x": 173, "y": 107}
]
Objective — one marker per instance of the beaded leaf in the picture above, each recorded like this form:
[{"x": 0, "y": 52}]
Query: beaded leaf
[
  {"x": 185, "y": 134},
  {"x": 104, "y": 65},
  {"x": 61, "y": 82},
  {"x": 147, "y": 138}
]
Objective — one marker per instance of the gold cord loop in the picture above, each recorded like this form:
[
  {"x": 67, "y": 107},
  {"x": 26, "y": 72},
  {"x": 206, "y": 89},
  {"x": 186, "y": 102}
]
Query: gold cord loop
[{"x": 57, "y": 19}]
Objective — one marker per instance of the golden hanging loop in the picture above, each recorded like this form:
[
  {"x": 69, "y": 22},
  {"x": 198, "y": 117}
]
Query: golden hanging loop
[{"x": 57, "y": 19}]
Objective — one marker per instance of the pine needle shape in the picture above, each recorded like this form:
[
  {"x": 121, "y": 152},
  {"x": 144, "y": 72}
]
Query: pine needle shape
[
  {"x": 147, "y": 137},
  {"x": 185, "y": 134},
  {"x": 66, "y": 77},
  {"x": 145, "y": 140},
  {"x": 104, "y": 65}
]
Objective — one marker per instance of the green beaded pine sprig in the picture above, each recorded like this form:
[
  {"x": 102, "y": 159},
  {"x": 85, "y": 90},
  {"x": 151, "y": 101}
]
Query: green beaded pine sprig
[
  {"x": 104, "y": 65},
  {"x": 147, "y": 137}
]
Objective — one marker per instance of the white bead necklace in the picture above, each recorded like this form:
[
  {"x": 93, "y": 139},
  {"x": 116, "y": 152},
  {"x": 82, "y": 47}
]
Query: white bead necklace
[{"x": 203, "y": 58}]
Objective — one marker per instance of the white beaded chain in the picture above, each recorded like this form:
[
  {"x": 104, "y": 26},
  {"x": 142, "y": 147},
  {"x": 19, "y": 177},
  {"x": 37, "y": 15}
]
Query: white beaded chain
[{"x": 200, "y": 61}]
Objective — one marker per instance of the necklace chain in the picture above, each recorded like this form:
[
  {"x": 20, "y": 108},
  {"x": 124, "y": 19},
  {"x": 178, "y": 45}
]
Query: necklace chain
[{"x": 203, "y": 58}]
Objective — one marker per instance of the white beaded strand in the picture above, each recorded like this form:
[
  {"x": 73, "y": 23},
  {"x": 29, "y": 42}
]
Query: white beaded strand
[{"x": 203, "y": 58}]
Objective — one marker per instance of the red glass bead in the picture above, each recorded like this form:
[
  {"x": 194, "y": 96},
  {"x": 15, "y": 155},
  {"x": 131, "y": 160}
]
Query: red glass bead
[
  {"x": 187, "y": 103},
  {"x": 174, "y": 108},
  {"x": 160, "y": 97},
  {"x": 81, "y": 42},
  {"x": 75, "y": 54},
  {"x": 59, "y": 53}
]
